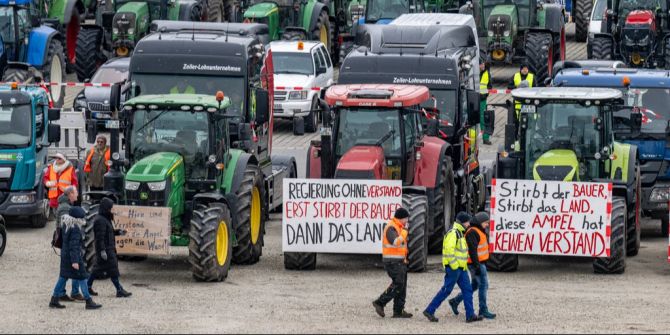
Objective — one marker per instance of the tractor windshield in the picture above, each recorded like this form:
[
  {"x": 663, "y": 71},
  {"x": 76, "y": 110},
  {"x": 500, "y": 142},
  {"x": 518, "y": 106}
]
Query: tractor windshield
[
  {"x": 7, "y": 24},
  {"x": 232, "y": 87},
  {"x": 15, "y": 126},
  {"x": 182, "y": 132},
  {"x": 385, "y": 9},
  {"x": 626, "y": 7},
  {"x": 523, "y": 8},
  {"x": 562, "y": 127},
  {"x": 292, "y": 63},
  {"x": 369, "y": 126}
]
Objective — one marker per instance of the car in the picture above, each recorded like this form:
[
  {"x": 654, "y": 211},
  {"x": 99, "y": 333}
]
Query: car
[
  {"x": 94, "y": 101},
  {"x": 302, "y": 70},
  {"x": 596, "y": 23}
]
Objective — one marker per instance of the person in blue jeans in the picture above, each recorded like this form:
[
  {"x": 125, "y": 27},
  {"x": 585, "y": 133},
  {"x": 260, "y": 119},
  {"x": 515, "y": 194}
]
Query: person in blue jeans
[
  {"x": 454, "y": 260},
  {"x": 72, "y": 264},
  {"x": 478, "y": 254}
]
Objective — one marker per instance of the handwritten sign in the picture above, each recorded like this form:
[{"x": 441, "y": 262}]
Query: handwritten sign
[
  {"x": 337, "y": 216},
  {"x": 550, "y": 218},
  {"x": 148, "y": 230}
]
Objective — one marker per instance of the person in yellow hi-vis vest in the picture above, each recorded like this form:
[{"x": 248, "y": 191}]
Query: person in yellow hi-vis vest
[
  {"x": 455, "y": 262},
  {"x": 523, "y": 78},
  {"x": 182, "y": 88},
  {"x": 485, "y": 84}
]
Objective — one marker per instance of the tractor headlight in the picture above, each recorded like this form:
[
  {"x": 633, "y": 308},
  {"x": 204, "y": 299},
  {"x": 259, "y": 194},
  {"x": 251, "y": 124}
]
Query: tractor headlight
[
  {"x": 506, "y": 33},
  {"x": 490, "y": 33},
  {"x": 659, "y": 195},
  {"x": 132, "y": 185},
  {"x": 297, "y": 95},
  {"x": 157, "y": 186}
]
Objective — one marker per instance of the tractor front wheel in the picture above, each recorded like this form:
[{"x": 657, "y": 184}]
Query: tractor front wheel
[
  {"x": 322, "y": 30},
  {"x": 417, "y": 244},
  {"x": 616, "y": 263},
  {"x": 299, "y": 261},
  {"x": 539, "y": 50},
  {"x": 582, "y": 18},
  {"x": 442, "y": 203},
  {"x": 211, "y": 243},
  {"x": 312, "y": 119},
  {"x": 54, "y": 72},
  {"x": 89, "y": 53},
  {"x": 215, "y": 11},
  {"x": 502, "y": 262},
  {"x": 250, "y": 215},
  {"x": 601, "y": 48},
  {"x": 633, "y": 224}
]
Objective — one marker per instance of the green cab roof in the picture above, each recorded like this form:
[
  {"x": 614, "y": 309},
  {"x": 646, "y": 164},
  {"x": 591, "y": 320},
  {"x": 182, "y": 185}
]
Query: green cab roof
[
  {"x": 178, "y": 100},
  {"x": 262, "y": 9}
]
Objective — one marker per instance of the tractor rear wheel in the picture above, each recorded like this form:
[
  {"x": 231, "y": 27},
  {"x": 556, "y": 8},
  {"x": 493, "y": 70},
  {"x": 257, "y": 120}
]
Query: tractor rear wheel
[
  {"x": 3, "y": 236},
  {"x": 215, "y": 11},
  {"x": 666, "y": 55},
  {"x": 299, "y": 261},
  {"x": 211, "y": 243},
  {"x": 89, "y": 237},
  {"x": 442, "y": 203},
  {"x": 18, "y": 75},
  {"x": 417, "y": 245},
  {"x": 89, "y": 53},
  {"x": 539, "y": 50},
  {"x": 616, "y": 263},
  {"x": 250, "y": 214},
  {"x": 502, "y": 262},
  {"x": 322, "y": 30},
  {"x": 582, "y": 17},
  {"x": 633, "y": 230},
  {"x": 601, "y": 48}
]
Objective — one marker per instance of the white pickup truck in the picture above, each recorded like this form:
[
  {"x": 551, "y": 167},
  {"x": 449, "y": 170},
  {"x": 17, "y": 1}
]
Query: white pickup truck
[{"x": 302, "y": 70}]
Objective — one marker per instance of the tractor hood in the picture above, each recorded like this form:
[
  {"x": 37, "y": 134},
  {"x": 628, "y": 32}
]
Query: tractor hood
[
  {"x": 259, "y": 10},
  {"x": 644, "y": 18},
  {"x": 293, "y": 80},
  {"x": 156, "y": 167},
  {"x": 361, "y": 162},
  {"x": 501, "y": 19},
  {"x": 558, "y": 165}
]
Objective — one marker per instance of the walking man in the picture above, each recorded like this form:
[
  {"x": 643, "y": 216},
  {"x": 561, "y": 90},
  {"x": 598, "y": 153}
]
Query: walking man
[
  {"x": 454, "y": 260},
  {"x": 65, "y": 202},
  {"x": 478, "y": 254},
  {"x": 394, "y": 257},
  {"x": 96, "y": 163}
]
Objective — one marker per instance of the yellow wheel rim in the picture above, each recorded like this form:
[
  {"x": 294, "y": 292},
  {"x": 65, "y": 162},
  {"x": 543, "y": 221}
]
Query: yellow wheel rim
[
  {"x": 255, "y": 215},
  {"x": 323, "y": 36},
  {"x": 122, "y": 51},
  {"x": 498, "y": 54},
  {"x": 222, "y": 243},
  {"x": 636, "y": 59}
]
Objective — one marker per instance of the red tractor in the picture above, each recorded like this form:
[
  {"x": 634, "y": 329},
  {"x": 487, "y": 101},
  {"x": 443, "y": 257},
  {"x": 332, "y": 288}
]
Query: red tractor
[{"x": 373, "y": 131}]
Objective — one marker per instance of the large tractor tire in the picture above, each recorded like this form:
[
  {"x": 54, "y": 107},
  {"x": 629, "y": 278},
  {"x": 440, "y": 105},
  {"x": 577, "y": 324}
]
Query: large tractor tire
[
  {"x": 616, "y": 263},
  {"x": 666, "y": 55},
  {"x": 539, "y": 50},
  {"x": 18, "y": 75},
  {"x": 502, "y": 262},
  {"x": 89, "y": 237},
  {"x": 211, "y": 243},
  {"x": 215, "y": 11},
  {"x": 417, "y": 245},
  {"x": 300, "y": 261},
  {"x": 3, "y": 236},
  {"x": 322, "y": 30},
  {"x": 89, "y": 53},
  {"x": 442, "y": 205},
  {"x": 601, "y": 48},
  {"x": 633, "y": 231},
  {"x": 312, "y": 120},
  {"x": 250, "y": 217},
  {"x": 54, "y": 72},
  {"x": 582, "y": 17}
]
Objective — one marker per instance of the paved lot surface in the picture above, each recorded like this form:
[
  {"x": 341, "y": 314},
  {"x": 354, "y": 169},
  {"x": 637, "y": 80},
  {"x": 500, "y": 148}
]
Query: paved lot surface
[{"x": 545, "y": 295}]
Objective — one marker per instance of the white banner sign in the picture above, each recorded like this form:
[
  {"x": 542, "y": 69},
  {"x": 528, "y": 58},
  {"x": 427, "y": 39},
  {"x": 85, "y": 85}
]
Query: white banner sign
[
  {"x": 337, "y": 216},
  {"x": 550, "y": 218}
]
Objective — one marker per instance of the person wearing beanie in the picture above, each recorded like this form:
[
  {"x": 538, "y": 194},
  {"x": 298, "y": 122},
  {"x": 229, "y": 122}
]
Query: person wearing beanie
[
  {"x": 485, "y": 84},
  {"x": 454, "y": 260},
  {"x": 394, "y": 256},
  {"x": 478, "y": 254},
  {"x": 523, "y": 78},
  {"x": 72, "y": 265}
]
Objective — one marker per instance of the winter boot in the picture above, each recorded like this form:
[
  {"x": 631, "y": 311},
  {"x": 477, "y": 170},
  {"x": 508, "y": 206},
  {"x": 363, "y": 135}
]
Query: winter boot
[
  {"x": 65, "y": 298},
  {"x": 54, "y": 303},
  {"x": 90, "y": 304},
  {"x": 474, "y": 319},
  {"x": 123, "y": 294},
  {"x": 78, "y": 297},
  {"x": 488, "y": 315},
  {"x": 454, "y": 306},
  {"x": 91, "y": 292},
  {"x": 378, "y": 308},
  {"x": 402, "y": 315}
]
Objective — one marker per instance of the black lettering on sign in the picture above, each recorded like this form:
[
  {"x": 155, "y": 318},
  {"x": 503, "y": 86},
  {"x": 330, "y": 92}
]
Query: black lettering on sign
[{"x": 304, "y": 234}]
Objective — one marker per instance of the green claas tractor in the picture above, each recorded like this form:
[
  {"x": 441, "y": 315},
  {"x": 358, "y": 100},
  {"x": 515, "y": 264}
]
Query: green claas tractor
[
  {"x": 521, "y": 31},
  {"x": 121, "y": 23},
  {"x": 566, "y": 134}
]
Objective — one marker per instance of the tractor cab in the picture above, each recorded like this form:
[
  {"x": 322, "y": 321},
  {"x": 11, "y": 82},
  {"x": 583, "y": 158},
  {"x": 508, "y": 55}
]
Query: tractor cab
[
  {"x": 376, "y": 130},
  {"x": 15, "y": 26},
  {"x": 563, "y": 134}
]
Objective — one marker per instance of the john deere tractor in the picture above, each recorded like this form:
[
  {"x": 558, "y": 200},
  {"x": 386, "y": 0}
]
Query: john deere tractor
[
  {"x": 565, "y": 134},
  {"x": 521, "y": 31}
]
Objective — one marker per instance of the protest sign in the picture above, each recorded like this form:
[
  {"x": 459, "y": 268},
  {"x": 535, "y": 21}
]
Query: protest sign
[
  {"x": 147, "y": 230},
  {"x": 337, "y": 216},
  {"x": 550, "y": 218}
]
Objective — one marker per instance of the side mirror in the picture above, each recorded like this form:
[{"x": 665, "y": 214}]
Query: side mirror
[
  {"x": 54, "y": 114},
  {"x": 107, "y": 20},
  {"x": 54, "y": 133},
  {"x": 35, "y": 21},
  {"x": 262, "y": 106},
  {"x": 473, "y": 107},
  {"x": 432, "y": 127}
]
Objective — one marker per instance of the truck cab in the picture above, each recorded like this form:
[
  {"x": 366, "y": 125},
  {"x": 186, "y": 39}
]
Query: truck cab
[{"x": 302, "y": 71}]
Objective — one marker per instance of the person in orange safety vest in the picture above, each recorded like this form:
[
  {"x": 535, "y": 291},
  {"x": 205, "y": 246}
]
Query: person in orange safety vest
[
  {"x": 97, "y": 163},
  {"x": 59, "y": 175},
  {"x": 394, "y": 256}
]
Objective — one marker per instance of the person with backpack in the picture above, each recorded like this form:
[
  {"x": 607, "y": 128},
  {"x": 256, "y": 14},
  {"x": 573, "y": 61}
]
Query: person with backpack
[
  {"x": 72, "y": 265},
  {"x": 65, "y": 202}
]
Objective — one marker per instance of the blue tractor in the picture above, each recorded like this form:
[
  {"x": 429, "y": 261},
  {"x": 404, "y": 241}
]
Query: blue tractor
[
  {"x": 648, "y": 92},
  {"x": 29, "y": 46},
  {"x": 26, "y": 131}
]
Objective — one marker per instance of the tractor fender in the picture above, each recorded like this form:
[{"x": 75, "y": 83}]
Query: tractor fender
[
  {"x": 554, "y": 18},
  {"x": 604, "y": 35},
  {"x": 185, "y": 8},
  {"x": 313, "y": 167},
  {"x": 317, "y": 8},
  {"x": 38, "y": 45},
  {"x": 235, "y": 170},
  {"x": 208, "y": 198},
  {"x": 427, "y": 167},
  {"x": 284, "y": 162},
  {"x": 63, "y": 10}
]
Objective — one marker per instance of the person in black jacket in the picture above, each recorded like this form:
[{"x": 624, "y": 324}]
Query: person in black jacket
[
  {"x": 478, "y": 254},
  {"x": 107, "y": 264},
  {"x": 72, "y": 264}
]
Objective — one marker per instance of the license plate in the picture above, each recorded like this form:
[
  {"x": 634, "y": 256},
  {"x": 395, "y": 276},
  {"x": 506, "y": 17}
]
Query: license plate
[
  {"x": 112, "y": 124},
  {"x": 278, "y": 106}
]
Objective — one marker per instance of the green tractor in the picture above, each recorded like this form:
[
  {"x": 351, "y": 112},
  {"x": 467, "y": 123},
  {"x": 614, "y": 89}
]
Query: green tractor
[
  {"x": 521, "y": 31},
  {"x": 566, "y": 134},
  {"x": 121, "y": 23}
]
